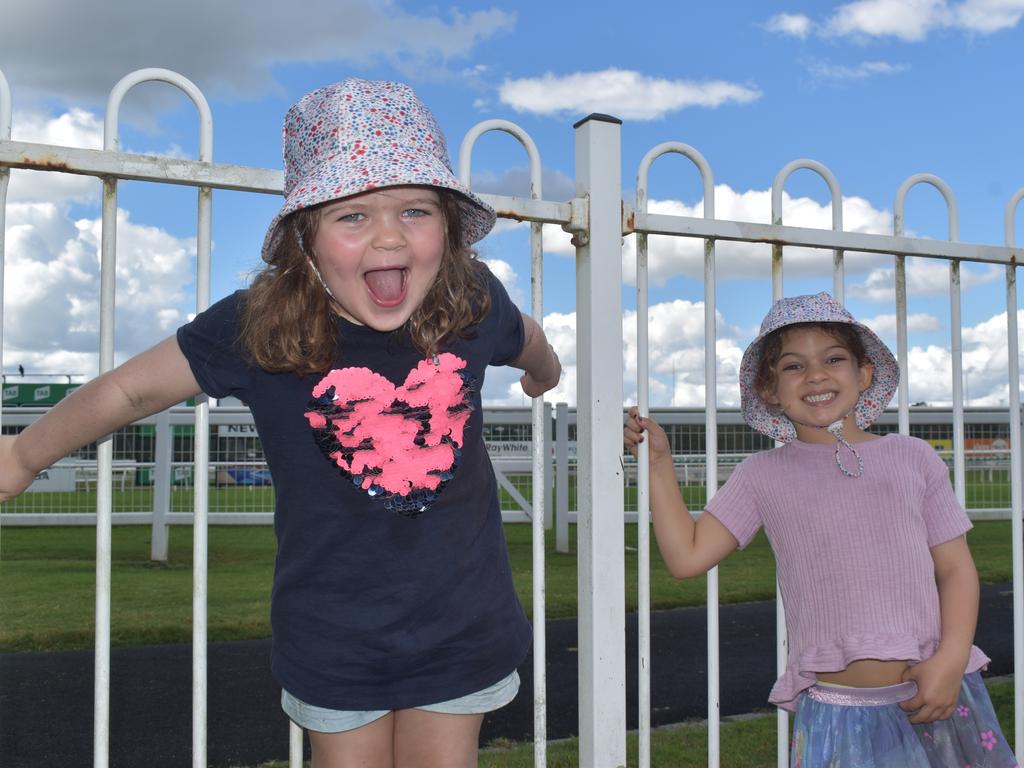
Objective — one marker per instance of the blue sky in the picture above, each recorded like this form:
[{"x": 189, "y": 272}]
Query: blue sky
[{"x": 876, "y": 90}]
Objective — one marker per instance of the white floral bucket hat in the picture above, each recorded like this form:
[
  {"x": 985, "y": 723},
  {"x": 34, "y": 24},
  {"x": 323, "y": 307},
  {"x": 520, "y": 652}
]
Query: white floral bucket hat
[
  {"x": 358, "y": 135},
  {"x": 818, "y": 308}
]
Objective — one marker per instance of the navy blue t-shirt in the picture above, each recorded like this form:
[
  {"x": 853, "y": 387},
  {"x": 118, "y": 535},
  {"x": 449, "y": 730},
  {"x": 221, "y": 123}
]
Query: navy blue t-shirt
[{"x": 392, "y": 586}]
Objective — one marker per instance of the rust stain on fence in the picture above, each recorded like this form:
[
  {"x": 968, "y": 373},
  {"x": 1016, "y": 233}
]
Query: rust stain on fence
[
  {"x": 506, "y": 214},
  {"x": 47, "y": 164}
]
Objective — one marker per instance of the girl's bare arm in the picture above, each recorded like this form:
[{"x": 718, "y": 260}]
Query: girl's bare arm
[
  {"x": 150, "y": 382},
  {"x": 538, "y": 360},
  {"x": 688, "y": 548}
]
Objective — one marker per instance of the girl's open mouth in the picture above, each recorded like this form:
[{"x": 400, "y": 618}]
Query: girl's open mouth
[{"x": 387, "y": 287}]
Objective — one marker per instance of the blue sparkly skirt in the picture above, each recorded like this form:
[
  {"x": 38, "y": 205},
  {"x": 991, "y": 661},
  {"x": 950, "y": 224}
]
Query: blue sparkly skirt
[{"x": 865, "y": 728}]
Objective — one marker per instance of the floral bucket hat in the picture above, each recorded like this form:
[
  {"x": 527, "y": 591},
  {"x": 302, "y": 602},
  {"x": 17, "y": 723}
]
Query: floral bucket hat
[
  {"x": 358, "y": 135},
  {"x": 818, "y": 308}
]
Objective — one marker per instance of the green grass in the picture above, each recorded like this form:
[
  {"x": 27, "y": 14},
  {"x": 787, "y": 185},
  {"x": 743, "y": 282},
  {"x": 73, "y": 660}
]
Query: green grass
[
  {"x": 136, "y": 498},
  {"x": 49, "y": 575},
  {"x": 48, "y": 603}
]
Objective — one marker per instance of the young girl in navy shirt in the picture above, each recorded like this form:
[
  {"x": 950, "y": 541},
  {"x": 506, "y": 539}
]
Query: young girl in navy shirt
[{"x": 360, "y": 349}]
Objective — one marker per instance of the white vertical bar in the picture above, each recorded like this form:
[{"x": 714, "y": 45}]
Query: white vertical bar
[
  {"x": 1016, "y": 479},
  {"x": 201, "y": 480},
  {"x": 643, "y": 502},
  {"x": 602, "y": 694},
  {"x": 5, "y": 177},
  {"x": 562, "y": 478},
  {"x": 1017, "y": 524},
  {"x": 781, "y": 640},
  {"x": 711, "y": 485},
  {"x": 902, "y": 349},
  {"x": 549, "y": 473},
  {"x": 294, "y": 745},
  {"x": 104, "y": 465},
  {"x": 201, "y": 476},
  {"x": 643, "y": 475},
  {"x": 540, "y": 504},
  {"x": 541, "y": 457},
  {"x": 957, "y": 354},
  {"x": 164, "y": 443},
  {"x": 898, "y": 219}
]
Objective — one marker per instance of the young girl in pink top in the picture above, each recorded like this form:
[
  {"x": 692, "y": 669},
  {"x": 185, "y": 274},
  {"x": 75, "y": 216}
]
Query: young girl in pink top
[{"x": 880, "y": 590}]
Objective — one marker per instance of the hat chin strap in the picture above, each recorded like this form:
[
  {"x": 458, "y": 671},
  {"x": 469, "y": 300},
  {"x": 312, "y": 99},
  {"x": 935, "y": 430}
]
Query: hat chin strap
[
  {"x": 312, "y": 265},
  {"x": 836, "y": 430},
  {"x": 320, "y": 277}
]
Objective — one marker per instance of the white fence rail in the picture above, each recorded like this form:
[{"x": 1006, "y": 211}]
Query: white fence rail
[{"x": 598, "y": 220}]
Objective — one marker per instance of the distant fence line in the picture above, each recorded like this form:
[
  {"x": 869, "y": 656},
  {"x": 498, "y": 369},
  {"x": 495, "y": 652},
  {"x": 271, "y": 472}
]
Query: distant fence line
[{"x": 144, "y": 477}]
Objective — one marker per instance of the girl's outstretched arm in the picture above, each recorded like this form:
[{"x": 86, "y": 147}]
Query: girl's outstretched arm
[
  {"x": 688, "y": 548},
  {"x": 538, "y": 359},
  {"x": 150, "y": 382},
  {"x": 938, "y": 678}
]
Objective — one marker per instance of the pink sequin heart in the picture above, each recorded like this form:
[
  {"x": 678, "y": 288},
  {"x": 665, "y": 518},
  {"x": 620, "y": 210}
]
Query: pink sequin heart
[{"x": 401, "y": 443}]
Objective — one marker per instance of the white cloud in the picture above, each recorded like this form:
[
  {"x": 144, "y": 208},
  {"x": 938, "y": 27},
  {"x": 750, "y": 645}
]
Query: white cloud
[
  {"x": 676, "y": 360},
  {"x": 792, "y": 24},
  {"x": 862, "y": 71},
  {"x": 503, "y": 388},
  {"x": 52, "y": 263},
  {"x": 555, "y": 185},
  {"x": 507, "y": 276},
  {"x": 51, "y": 288},
  {"x": 671, "y": 256},
  {"x": 913, "y": 20},
  {"x": 675, "y": 336},
  {"x": 987, "y": 16},
  {"x": 227, "y": 48},
  {"x": 74, "y": 128},
  {"x": 924, "y": 277},
  {"x": 908, "y": 20},
  {"x": 623, "y": 93},
  {"x": 919, "y": 322},
  {"x": 984, "y": 365}
]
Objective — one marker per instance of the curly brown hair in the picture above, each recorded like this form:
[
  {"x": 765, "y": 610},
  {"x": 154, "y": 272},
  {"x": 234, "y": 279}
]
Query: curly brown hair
[
  {"x": 288, "y": 320},
  {"x": 771, "y": 349}
]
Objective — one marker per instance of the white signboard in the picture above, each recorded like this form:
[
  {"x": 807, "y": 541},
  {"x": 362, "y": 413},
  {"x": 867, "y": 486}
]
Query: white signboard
[
  {"x": 54, "y": 479},
  {"x": 508, "y": 449},
  {"x": 237, "y": 430}
]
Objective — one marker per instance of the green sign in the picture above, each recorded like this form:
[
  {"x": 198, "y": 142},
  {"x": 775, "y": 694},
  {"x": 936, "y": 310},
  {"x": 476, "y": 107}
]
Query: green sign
[{"x": 36, "y": 394}]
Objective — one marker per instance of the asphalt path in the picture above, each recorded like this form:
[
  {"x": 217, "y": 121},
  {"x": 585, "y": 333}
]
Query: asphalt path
[{"x": 46, "y": 699}]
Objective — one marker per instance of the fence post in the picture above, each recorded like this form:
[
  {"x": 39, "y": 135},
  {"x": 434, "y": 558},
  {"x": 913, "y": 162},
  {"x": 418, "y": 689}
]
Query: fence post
[
  {"x": 5, "y": 177},
  {"x": 599, "y": 529},
  {"x": 562, "y": 478},
  {"x": 161, "y": 487},
  {"x": 549, "y": 520}
]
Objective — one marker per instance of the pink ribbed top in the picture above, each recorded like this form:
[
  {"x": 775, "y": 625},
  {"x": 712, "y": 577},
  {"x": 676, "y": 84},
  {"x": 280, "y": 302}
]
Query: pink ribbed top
[{"x": 854, "y": 566}]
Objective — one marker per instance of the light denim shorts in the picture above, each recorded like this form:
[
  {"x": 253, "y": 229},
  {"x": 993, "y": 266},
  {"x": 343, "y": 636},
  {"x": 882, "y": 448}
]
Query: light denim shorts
[{"x": 335, "y": 720}]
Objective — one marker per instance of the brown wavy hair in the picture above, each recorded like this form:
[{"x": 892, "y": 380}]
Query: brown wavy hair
[{"x": 288, "y": 320}]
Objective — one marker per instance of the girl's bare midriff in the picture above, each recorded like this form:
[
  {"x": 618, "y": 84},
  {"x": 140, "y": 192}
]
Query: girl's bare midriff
[{"x": 867, "y": 673}]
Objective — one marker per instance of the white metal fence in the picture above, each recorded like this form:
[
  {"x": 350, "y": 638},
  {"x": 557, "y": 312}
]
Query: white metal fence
[
  {"x": 598, "y": 219},
  {"x": 153, "y": 466}
]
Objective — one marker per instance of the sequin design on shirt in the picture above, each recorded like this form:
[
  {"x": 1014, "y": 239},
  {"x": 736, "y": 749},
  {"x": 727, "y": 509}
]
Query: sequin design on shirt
[{"x": 401, "y": 444}]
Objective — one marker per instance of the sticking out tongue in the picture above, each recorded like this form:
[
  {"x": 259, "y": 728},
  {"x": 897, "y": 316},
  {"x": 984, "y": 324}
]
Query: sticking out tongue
[{"x": 387, "y": 286}]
